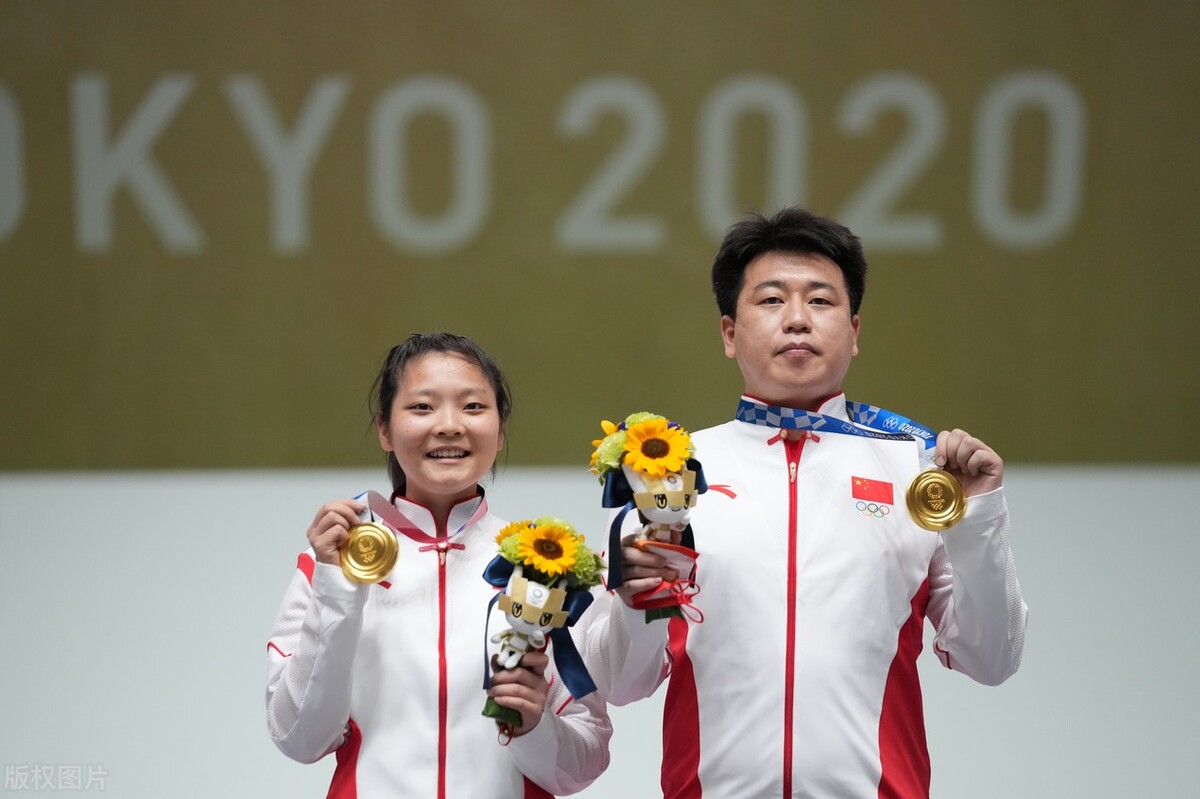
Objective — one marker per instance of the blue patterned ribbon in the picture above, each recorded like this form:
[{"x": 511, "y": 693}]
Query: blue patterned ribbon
[{"x": 883, "y": 424}]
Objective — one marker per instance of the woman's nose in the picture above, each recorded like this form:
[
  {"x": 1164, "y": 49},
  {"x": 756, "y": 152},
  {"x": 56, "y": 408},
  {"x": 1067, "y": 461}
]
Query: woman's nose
[{"x": 448, "y": 422}]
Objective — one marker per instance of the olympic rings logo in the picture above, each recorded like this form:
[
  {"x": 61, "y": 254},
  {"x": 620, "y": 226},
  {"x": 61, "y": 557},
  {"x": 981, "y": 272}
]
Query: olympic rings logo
[{"x": 872, "y": 509}]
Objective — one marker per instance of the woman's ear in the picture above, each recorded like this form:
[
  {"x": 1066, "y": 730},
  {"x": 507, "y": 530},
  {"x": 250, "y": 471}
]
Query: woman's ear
[{"x": 384, "y": 440}]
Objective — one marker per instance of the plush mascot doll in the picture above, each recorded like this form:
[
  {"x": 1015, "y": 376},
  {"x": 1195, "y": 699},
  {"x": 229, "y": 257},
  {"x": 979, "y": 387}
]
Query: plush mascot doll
[
  {"x": 531, "y": 610},
  {"x": 645, "y": 464},
  {"x": 547, "y": 573}
]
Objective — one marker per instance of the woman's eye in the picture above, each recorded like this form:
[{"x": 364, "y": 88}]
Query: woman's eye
[
  {"x": 475, "y": 406},
  {"x": 421, "y": 406}
]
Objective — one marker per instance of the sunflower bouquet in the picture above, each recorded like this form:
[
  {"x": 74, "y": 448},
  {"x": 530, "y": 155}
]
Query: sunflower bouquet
[
  {"x": 645, "y": 463},
  {"x": 546, "y": 571}
]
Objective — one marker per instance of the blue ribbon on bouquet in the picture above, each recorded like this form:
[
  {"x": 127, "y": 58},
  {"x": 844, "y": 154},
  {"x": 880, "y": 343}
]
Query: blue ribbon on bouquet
[{"x": 566, "y": 657}]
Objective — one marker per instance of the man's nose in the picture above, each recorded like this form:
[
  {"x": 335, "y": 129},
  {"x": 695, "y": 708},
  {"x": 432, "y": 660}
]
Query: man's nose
[{"x": 796, "y": 318}]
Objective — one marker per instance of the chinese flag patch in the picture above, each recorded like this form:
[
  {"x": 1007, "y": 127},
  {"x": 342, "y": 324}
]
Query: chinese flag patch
[{"x": 871, "y": 490}]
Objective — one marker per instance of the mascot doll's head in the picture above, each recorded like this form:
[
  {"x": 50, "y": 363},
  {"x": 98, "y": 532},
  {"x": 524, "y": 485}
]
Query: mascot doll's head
[
  {"x": 530, "y": 606},
  {"x": 664, "y": 500}
]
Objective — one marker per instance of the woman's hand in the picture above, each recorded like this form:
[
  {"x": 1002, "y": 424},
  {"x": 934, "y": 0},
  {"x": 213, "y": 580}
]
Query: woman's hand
[
  {"x": 523, "y": 689},
  {"x": 331, "y": 528}
]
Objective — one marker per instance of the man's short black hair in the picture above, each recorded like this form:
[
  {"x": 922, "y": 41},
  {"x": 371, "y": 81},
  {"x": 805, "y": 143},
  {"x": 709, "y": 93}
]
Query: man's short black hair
[{"x": 791, "y": 230}]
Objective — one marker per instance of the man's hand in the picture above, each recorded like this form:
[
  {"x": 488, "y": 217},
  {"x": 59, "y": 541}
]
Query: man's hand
[
  {"x": 974, "y": 463},
  {"x": 523, "y": 689},
  {"x": 643, "y": 571}
]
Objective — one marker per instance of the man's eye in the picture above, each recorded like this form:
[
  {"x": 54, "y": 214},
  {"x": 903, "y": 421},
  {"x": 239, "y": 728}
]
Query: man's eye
[{"x": 772, "y": 301}]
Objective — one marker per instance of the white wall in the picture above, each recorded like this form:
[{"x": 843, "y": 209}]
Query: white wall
[{"x": 134, "y": 611}]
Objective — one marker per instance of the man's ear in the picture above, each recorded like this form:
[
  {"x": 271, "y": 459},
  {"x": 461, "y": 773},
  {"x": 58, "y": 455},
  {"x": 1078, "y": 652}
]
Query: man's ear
[
  {"x": 727, "y": 329},
  {"x": 854, "y": 322}
]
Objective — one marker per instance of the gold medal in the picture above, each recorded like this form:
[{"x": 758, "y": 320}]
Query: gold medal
[
  {"x": 369, "y": 553},
  {"x": 936, "y": 500}
]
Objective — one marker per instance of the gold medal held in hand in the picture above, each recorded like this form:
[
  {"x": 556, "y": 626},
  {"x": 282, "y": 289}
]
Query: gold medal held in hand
[
  {"x": 936, "y": 500},
  {"x": 369, "y": 553}
]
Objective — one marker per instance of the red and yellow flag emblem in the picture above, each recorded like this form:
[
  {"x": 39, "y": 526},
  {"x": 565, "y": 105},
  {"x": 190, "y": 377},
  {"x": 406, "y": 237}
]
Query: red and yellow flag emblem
[{"x": 871, "y": 490}]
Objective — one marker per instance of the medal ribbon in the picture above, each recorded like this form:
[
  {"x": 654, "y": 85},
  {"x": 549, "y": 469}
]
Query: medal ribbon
[
  {"x": 883, "y": 424},
  {"x": 566, "y": 657},
  {"x": 384, "y": 511}
]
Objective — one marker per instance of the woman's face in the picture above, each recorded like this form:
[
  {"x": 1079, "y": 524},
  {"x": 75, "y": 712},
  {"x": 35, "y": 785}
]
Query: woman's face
[{"x": 444, "y": 429}]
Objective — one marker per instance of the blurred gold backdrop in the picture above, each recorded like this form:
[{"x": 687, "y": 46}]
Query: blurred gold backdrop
[{"x": 216, "y": 218}]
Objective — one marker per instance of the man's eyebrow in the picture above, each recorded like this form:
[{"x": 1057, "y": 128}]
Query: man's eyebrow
[
  {"x": 821, "y": 285},
  {"x": 810, "y": 285},
  {"x": 768, "y": 284}
]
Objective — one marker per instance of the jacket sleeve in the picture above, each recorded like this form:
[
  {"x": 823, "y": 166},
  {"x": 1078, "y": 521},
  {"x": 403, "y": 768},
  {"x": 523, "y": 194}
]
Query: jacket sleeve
[
  {"x": 626, "y": 656},
  {"x": 568, "y": 749},
  {"x": 310, "y": 655},
  {"x": 975, "y": 602}
]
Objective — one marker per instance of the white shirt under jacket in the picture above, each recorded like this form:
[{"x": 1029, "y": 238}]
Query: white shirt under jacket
[
  {"x": 389, "y": 676},
  {"x": 801, "y": 680}
]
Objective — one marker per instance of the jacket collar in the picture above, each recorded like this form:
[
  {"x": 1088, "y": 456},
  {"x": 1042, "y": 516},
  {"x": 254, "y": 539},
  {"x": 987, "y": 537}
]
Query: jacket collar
[{"x": 462, "y": 514}]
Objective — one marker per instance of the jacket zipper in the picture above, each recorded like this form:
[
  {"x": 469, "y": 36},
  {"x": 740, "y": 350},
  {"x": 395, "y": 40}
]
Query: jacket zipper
[
  {"x": 793, "y": 445},
  {"x": 442, "y": 544},
  {"x": 442, "y": 690}
]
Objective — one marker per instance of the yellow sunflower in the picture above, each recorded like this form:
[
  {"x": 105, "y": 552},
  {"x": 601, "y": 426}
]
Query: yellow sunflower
[
  {"x": 654, "y": 448},
  {"x": 549, "y": 549},
  {"x": 510, "y": 529}
]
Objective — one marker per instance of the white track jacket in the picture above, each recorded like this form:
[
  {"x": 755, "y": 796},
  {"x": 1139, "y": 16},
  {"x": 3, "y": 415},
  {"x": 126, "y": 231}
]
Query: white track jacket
[
  {"x": 801, "y": 681},
  {"x": 389, "y": 676}
]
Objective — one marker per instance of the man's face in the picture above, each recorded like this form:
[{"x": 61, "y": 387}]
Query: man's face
[{"x": 794, "y": 335}]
